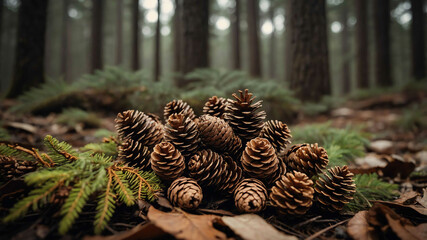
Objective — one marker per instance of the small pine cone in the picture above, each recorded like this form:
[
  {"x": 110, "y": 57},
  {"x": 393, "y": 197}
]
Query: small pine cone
[
  {"x": 135, "y": 154},
  {"x": 167, "y": 162},
  {"x": 182, "y": 132},
  {"x": 179, "y": 107},
  {"x": 185, "y": 193},
  {"x": 11, "y": 167},
  {"x": 244, "y": 117},
  {"x": 250, "y": 196},
  {"x": 259, "y": 159},
  {"x": 277, "y": 133},
  {"x": 307, "y": 158},
  {"x": 218, "y": 135},
  {"x": 138, "y": 126},
  {"x": 215, "y": 106},
  {"x": 61, "y": 195},
  {"x": 293, "y": 193},
  {"x": 207, "y": 168},
  {"x": 336, "y": 189},
  {"x": 233, "y": 176}
]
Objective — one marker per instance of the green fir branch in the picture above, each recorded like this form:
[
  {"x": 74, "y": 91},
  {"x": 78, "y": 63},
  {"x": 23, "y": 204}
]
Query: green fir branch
[
  {"x": 122, "y": 188},
  {"x": 11, "y": 151},
  {"x": 60, "y": 152},
  {"x": 106, "y": 206},
  {"x": 107, "y": 148}
]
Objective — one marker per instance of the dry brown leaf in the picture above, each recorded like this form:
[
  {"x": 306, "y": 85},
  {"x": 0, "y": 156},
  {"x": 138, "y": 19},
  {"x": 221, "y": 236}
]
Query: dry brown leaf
[
  {"x": 139, "y": 232},
  {"x": 183, "y": 225},
  {"x": 406, "y": 196},
  {"x": 358, "y": 227},
  {"x": 423, "y": 200},
  {"x": 407, "y": 232},
  {"x": 406, "y": 208},
  {"x": 253, "y": 227}
]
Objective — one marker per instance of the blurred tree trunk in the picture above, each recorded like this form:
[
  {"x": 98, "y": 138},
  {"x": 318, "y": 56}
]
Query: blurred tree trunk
[
  {"x": 177, "y": 37},
  {"x": 97, "y": 40},
  {"x": 382, "y": 43},
  {"x": 288, "y": 40},
  {"x": 119, "y": 33},
  {"x": 272, "y": 55},
  {"x": 345, "y": 50},
  {"x": 235, "y": 35},
  {"x": 253, "y": 38},
  {"x": 1, "y": 25},
  {"x": 195, "y": 35},
  {"x": 65, "y": 36},
  {"x": 309, "y": 76},
  {"x": 362, "y": 64},
  {"x": 29, "y": 56},
  {"x": 135, "y": 35},
  {"x": 417, "y": 39},
  {"x": 157, "y": 55}
]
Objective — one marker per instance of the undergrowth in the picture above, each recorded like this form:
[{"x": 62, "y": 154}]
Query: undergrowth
[{"x": 75, "y": 116}]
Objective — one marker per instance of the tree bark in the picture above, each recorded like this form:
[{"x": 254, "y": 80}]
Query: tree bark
[
  {"x": 65, "y": 57},
  {"x": 235, "y": 35},
  {"x": 177, "y": 37},
  {"x": 1, "y": 25},
  {"x": 253, "y": 38},
  {"x": 97, "y": 40},
  {"x": 272, "y": 54},
  {"x": 345, "y": 50},
  {"x": 382, "y": 43},
  {"x": 135, "y": 35},
  {"x": 195, "y": 35},
  {"x": 119, "y": 33},
  {"x": 29, "y": 57},
  {"x": 362, "y": 60},
  {"x": 157, "y": 55},
  {"x": 288, "y": 41},
  {"x": 417, "y": 40},
  {"x": 310, "y": 65}
]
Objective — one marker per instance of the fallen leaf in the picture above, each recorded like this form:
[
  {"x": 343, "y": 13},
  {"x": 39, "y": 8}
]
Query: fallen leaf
[
  {"x": 253, "y": 227},
  {"x": 382, "y": 146},
  {"x": 358, "y": 227},
  {"x": 22, "y": 126},
  {"x": 219, "y": 212},
  {"x": 397, "y": 167},
  {"x": 423, "y": 200},
  {"x": 406, "y": 232},
  {"x": 407, "y": 196},
  {"x": 139, "y": 232},
  {"x": 408, "y": 209},
  {"x": 183, "y": 225}
]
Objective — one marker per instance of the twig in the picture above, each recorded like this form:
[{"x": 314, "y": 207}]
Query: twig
[
  {"x": 293, "y": 230},
  {"x": 308, "y": 221},
  {"x": 326, "y": 229}
]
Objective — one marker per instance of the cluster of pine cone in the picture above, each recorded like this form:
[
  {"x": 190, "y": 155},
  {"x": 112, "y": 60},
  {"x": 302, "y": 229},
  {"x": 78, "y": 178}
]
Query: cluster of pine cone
[{"x": 232, "y": 151}]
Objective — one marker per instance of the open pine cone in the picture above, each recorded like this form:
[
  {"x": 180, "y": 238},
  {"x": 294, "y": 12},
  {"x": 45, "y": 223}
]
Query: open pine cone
[
  {"x": 245, "y": 118},
  {"x": 11, "y": 167},
  {"x": 336, "y": 189},
  {"x": 293, "y": 193},
  {"x": 135, "y": 154},
  {"x": 233, "y": 175},
  {"x": 179, "y": 107},
  {"x": 167, "y": 162},
  {"x": 277, "y": 133},
  {"x": 215, "y": 106},
  {"x": 208, "y": 168},
  {"x": 182, "y": 132},
  {"x": 250, "y": 196},
  {"x": 307, "y": 158},
  {"x": 185, "y": 193}
]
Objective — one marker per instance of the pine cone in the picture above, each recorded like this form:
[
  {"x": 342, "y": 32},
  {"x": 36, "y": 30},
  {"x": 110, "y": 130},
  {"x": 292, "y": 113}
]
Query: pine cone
[
  {"x": 182, "y": 132},
  {"x": 215, "y": 106},
  {"x": 277, "y": 133},
  {"x": 259, "y": 159},
  {"x": 167, "y": 162},
  {"x": 218, "y": 135},
  {"x": 293, "y": 193},
  {"x": 309, "y": 159},
  {"x": 135, "y": 154},
  {"x": 233, "y": 175},
  {"x": 336, "y": 189},
  {"x": 207, "y": 168},
  {"x": 138, "y": 126},
  {"x": 61, "y": 195},
  {"x": 185, "y": 193},
  {"x": 179, "y": 107},
  {"x": 244, "y": 117},
  {"x": 250, "y": 196},
  {"x": 11, "y": 167}
]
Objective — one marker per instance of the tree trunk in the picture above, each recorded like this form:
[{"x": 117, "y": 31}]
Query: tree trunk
[
  {"x": 177, "y": 37},
  {"x": 135, "y": 35},
  {"x": 272, "y": 55},
  {"x": 119, "y": 33},
  {"x": 65, "y": 36},
  {"x": 157, "y": 60},
  {"x": 1, "y": 25},
  {"x": 362, "y": 63},
  {"x": 195, "y": 35},
  {"x": 382, "y": 43},
  {"x": 29, "y": 58},
  {"x": 288, "y": 41},
  {"x": 235, "y": 35},
  {"x": 309, "y": 46},
  {"x": 253, "y": 38},
  {"x": 417, "y": 40},
  {"x": 97, "y": 41},
  {"x": 345, "y": 50}
]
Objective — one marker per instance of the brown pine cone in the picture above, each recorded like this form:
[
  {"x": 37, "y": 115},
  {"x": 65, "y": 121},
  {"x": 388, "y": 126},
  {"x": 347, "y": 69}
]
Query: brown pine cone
[
  {"x": 336, "y": 189},
  {"x": 233, "y": 175},
  {"x": 207, "y": 168},
  {"x": 259, "y": 159},
  {"x": 138, "y": 126},
  {"x": 293, "y": 193},
  {"x": 167, "y": 162},
  {"x": 11, "y": 167},
  {"x": 277, "y": 133},
  {"x": 250, "y": 196},
  {"x": 244, "y": 117},
  {"x": 182, "y": 132},
  {"x": 185, "y": 193},
  {"x": 309, "y": 159},
  {"x": 217, "y": 134},
  {"x": 215, "y": 106},
  {"x": 135, "y": 154},
  {"x": 179, "y": 107},
  {"x": 61, "y": 195}
]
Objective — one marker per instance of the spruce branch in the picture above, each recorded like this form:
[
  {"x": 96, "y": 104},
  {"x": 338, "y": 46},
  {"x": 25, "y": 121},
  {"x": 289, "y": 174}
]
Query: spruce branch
[
  {"x": 106, "y": 205},
  {"x": 61, "y": 152},
  {"x": 122, "y": 188}
]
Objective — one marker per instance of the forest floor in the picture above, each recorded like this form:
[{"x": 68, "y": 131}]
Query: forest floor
[{"x": 397, "y": 128}]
